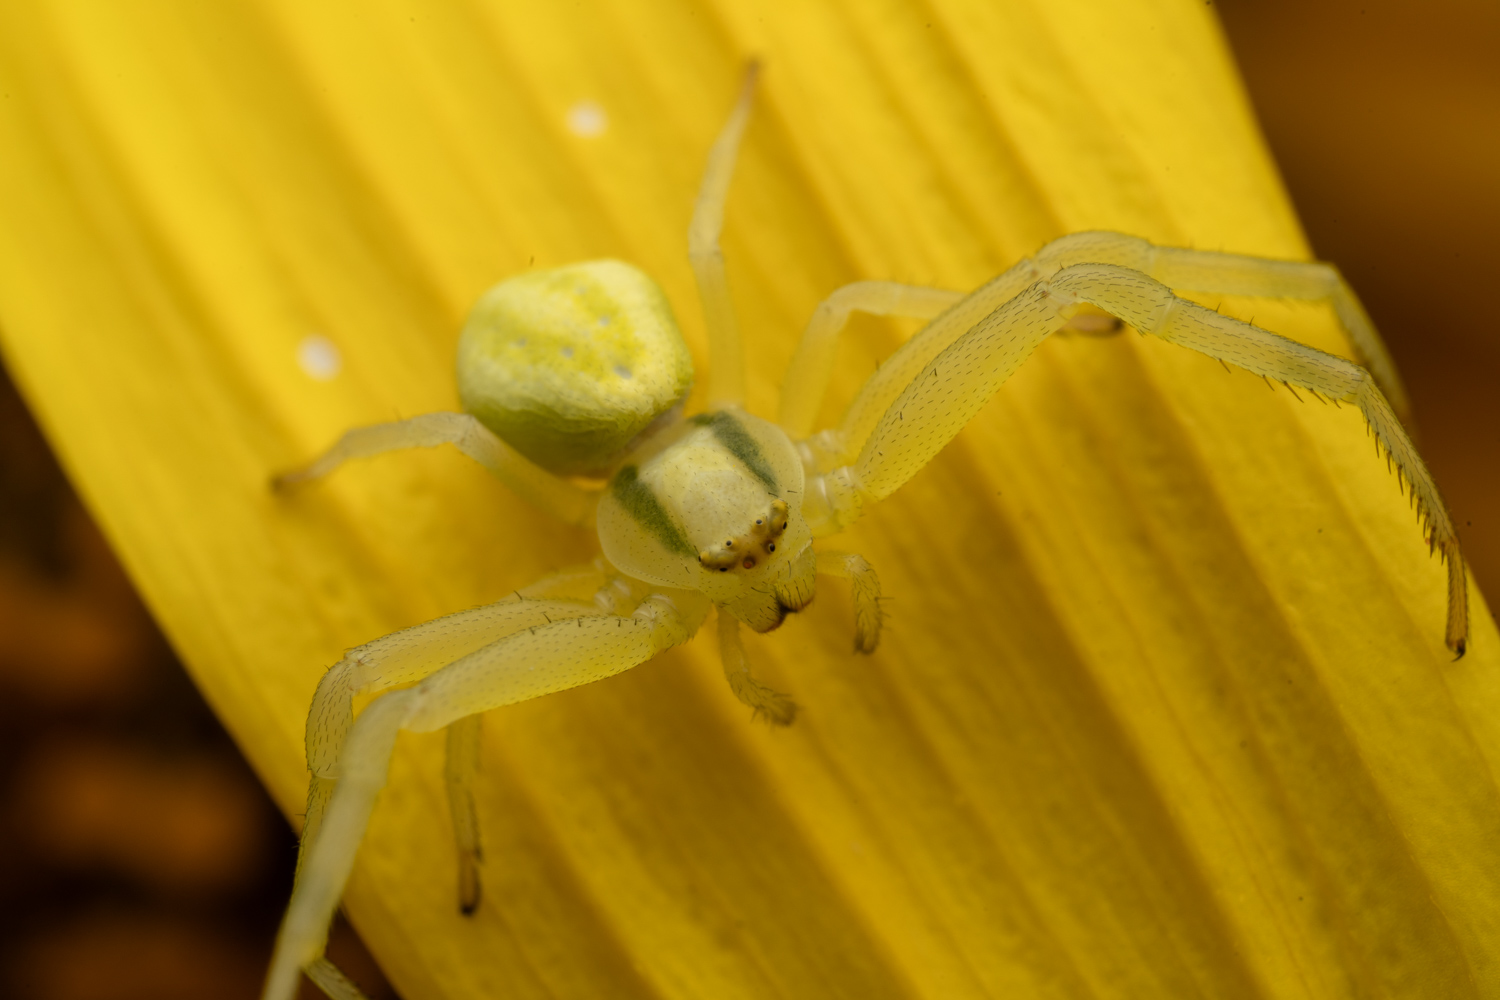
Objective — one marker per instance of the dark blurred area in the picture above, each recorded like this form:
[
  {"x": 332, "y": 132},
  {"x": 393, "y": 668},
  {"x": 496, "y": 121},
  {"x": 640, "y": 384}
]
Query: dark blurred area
[
  {"x": 140, "y": 859},
  {"x": 1384, "y": 116}
]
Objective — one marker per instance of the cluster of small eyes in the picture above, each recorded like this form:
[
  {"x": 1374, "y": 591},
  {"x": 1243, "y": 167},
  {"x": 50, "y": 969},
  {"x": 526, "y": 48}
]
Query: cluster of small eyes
[{"x": 762, "y": 534}]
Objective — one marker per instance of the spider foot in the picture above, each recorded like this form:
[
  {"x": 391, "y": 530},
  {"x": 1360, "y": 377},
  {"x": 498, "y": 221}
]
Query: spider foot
[
  {"x": 468, "y": 883},
  {"x": 776, "y": 708}
]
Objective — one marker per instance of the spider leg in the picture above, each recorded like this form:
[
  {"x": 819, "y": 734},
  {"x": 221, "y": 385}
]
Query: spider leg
[
  {"x": 527, "y": 664},
  {"x": 612, "y": 594},
  {"x": 866, "y": 586},
  {"x": 840, "y": 445},
  {"x": 952, "y": 388},
  {"x": 401, "y": 658},
  {"x": 460, "y": 767},
  {"x": 1190, "y": 270},
  {"x": 779, "y": 709},
  {"x": 811, "y": 366},
  {"x": 327, "y": 977},
  {"x": 726, "y": 384},
  {"x": 411, "y": 654},
  {"x": 1239, "y": 274},
  {"x": 1150, "y": 307},
  {"x": 526, "y": 479}
]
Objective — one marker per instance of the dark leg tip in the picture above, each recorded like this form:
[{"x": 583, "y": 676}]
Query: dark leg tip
[{"x": 468, "y": 886}]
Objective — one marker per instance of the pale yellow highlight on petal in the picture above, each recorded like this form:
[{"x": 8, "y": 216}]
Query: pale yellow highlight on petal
[{"x": 1162, "y": 708}]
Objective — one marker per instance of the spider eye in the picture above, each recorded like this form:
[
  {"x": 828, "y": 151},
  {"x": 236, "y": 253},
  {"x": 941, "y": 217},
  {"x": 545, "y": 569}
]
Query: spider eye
[
  {"x": 723, "y": 569},
  {"x": 771, "y": 547}
]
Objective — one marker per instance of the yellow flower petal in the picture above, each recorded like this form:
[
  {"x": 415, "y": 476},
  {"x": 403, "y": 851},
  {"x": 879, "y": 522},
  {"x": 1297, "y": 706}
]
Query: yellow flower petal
[{"x": 1163, "y": 707}]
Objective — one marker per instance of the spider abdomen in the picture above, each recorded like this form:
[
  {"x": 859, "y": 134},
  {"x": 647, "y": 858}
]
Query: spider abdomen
[{"x": 572, "y": 365}]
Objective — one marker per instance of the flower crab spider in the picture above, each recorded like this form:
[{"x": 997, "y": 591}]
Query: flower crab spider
[{"x": 580, "y": 372}]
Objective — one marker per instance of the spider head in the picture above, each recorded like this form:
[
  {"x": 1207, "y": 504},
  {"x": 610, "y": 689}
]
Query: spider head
[
  {"x": 782, "y": 585},
  {"x": 752, "y": 547},
  {"x": 716, "y": 507}
]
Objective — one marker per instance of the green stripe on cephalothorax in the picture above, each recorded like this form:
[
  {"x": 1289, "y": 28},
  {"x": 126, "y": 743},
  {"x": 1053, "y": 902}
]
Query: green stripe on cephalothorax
[
  {"x": 642, "y": 504},
  {"x": 732, "y": 435}
]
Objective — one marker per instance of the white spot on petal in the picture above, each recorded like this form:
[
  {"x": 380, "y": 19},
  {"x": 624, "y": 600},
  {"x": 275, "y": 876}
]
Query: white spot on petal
[
  {"x": 587, "y": 119},
  {"x": 319, "y": 358}
]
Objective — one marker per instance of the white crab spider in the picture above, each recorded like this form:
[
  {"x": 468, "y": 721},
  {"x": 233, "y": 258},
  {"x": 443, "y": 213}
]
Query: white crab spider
[{"x": 581, "y": 370}]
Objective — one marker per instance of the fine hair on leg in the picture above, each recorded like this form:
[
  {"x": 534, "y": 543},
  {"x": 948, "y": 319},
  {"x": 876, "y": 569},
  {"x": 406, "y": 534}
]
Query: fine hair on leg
[{"x": 949, "y": 390}]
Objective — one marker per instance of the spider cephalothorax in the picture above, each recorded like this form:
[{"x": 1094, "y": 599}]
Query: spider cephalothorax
[{"x": 581, "y": 371}]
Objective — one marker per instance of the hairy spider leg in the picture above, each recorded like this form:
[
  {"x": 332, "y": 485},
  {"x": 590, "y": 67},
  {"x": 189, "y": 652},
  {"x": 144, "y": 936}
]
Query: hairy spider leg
[
  {"x": 808, "y": 373},
  {"x": 1150, "y": 306},
  {"x": 865, "y": 585},
  {"x": 1189, "y": 270},
  {"x": 1238, "y": 274},
  {"x": 726, "y": 354},
  {"x": 950, "y": 389},
  {"x": 410, "y": 655},
  {"x": 525, "y": 478},
  {"x": 527, "y": 664}
]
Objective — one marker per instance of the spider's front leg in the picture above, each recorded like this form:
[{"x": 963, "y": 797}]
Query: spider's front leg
[
  {"x": 528, "y": 664},
  {"x": 412, "y": 653},
  {"x": 1175, "y": 267},
  {"x": 1223, "y": 273},
  {"x": 811, "y": 367},
  {"x": 944, "y": 394}
]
